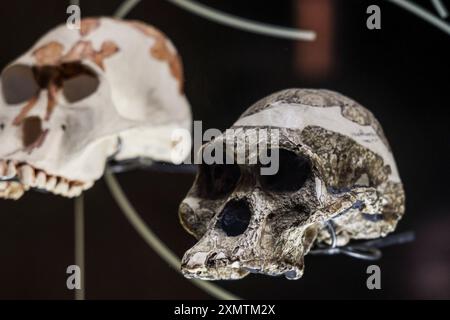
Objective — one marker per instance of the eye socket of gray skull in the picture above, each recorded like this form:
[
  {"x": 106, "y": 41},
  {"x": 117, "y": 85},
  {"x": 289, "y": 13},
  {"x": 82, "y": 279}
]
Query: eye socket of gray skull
[
  {"x": 293, "y": 171},
  {"x": 235, "y": 218},
  {"x": 217, "y": 180}
]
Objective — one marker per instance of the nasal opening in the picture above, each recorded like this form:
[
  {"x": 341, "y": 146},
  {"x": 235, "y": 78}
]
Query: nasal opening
[
  {"x": 32, "y": 131},
  {"x": 235, "y": 218}
]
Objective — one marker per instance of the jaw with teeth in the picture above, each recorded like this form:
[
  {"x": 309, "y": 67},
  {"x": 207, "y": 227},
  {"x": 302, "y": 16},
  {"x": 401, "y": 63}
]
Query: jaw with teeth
[{"x": 16, "y": 178}]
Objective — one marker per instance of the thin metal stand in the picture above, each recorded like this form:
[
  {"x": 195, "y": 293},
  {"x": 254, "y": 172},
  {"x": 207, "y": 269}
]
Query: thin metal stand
[{"x": 79, "y": 244}]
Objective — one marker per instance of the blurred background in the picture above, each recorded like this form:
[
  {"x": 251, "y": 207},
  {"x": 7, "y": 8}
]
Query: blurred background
[{"x": 401, "y": 73}]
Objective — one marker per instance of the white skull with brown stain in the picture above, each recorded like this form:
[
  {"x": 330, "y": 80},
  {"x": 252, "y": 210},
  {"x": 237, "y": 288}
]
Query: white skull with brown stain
[
  {"x": 66, "y": 103},
  {"x": 334, "y": 165}
]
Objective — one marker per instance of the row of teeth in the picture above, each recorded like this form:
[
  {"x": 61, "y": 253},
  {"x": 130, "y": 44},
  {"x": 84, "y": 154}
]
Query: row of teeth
[{"x": 30, "y": 177}]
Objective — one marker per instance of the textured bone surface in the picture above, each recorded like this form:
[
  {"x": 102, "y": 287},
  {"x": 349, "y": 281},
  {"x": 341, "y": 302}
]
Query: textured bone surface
[
  {"x": 334, "y": 164},
  {"x": 66, "y": 103}
]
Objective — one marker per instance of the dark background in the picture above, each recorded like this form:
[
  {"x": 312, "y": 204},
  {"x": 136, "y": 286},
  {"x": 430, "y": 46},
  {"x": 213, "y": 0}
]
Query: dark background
[{"x": 400, "y": 72}]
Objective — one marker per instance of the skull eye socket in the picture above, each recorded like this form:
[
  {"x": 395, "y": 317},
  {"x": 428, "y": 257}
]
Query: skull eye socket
[
  {"x": 79, "y": 82},
  {"x": 292, "y": 173},
  {"x": 235, "y": 218},
  {"x": 217, "y": 180},
  {"x": 18, "y": 84}
]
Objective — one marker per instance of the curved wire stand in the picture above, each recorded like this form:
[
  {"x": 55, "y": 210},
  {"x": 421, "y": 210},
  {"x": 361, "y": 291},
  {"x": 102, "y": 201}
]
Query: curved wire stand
[
  {"x": 152, "y": 239},
  {"x": 125, "y": 8},
  {"x": 79, "y": 244},
  {"x": 244, "y": 24},
  {"x": 424, "y": 14},
  {"x": 132, "y": 215},
  {"x": 280, "y": 32},
  {"x": 440, "y": 8},
  {"x": 228, "y": 20},
  {"x": 127, "y": 208},
  {"x": 143, "y": 230}
]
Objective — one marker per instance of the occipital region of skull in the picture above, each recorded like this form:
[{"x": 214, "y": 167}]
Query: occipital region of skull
[
  {"x": 66, "y": 103},
  {"x": 334, "y": 164}
]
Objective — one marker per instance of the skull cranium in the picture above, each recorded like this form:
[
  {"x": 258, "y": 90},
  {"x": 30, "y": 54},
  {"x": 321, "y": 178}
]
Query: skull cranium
[
  {"x": 334, "y": 164},
  {"x": 66, "y": 103}
]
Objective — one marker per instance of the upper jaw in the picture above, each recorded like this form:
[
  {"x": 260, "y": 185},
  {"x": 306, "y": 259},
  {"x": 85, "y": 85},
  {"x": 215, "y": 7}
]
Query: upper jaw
[
  {"x": 17, "y": 177},
  {"x": 222, "y": 273},
  {"x": 235, "y": 271},
  {"x": 208, "y": 266}
]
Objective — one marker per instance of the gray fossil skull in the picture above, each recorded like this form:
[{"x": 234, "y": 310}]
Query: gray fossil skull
[{"x": 334, "y": 164}]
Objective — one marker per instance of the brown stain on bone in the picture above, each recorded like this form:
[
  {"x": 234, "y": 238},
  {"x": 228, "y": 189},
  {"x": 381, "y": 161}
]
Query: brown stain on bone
[
  {"x": 84, "y": 50},
  {"x": 108, "y": 49},
  {"x": 23, "y": 113},
  {"x": 52, "y": 91},
  {"x": 161, "y": 50},
  {"x": 51, "y": 54},
  {"x": 88, "y": 25}
]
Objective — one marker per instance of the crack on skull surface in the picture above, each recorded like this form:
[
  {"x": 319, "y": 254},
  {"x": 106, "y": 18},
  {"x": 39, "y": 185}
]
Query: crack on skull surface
[{"x": 350, "y": 109}]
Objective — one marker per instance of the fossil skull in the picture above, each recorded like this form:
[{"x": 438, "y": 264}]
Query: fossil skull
[
  {"x": 67, "y": 102},
  {"x": 334, "y": 164}
]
